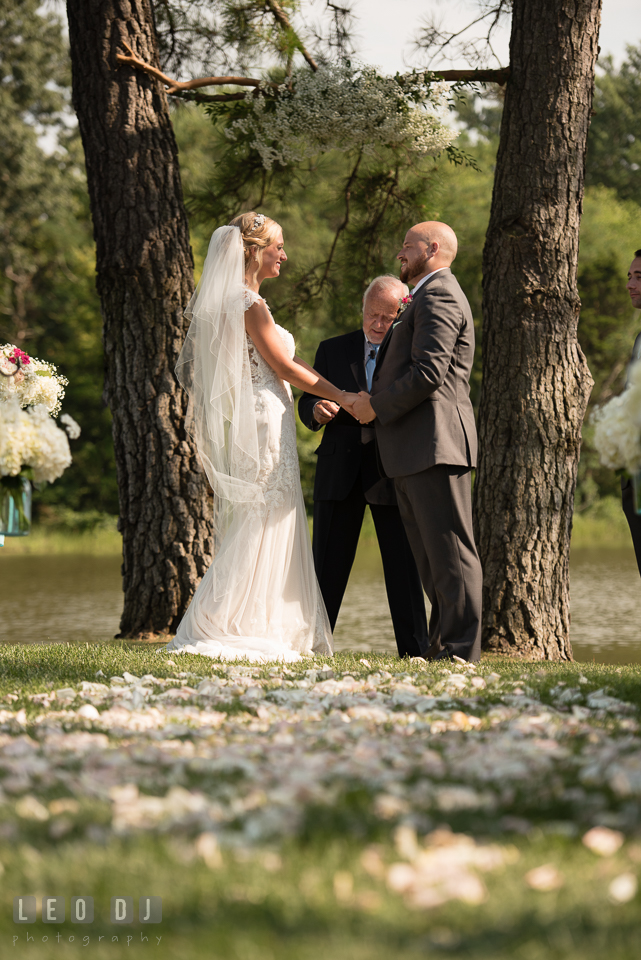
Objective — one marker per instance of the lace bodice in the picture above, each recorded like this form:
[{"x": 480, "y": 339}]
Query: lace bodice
[
  {"x": 261, "y": 373},
  {"x": 263, "y": 376},
  {"x": 274, "y": 405}
]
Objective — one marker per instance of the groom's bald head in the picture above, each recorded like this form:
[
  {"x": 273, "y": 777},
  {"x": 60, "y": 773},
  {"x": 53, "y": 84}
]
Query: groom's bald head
[
  {"x": 427, "y": 246},
  {"x": 433, "y": 231}
]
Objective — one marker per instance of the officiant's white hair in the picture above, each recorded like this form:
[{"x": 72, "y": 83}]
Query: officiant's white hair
[{"x": 386, "y": 282}]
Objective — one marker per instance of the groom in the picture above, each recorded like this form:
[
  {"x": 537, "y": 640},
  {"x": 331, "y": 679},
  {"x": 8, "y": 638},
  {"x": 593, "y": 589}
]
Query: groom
[{"x": 426, "y": 435}]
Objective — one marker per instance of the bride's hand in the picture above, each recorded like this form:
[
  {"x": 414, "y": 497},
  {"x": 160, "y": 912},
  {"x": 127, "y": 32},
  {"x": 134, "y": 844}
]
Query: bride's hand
[{"x": 347, "y": 401}]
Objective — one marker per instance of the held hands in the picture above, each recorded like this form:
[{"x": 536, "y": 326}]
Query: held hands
[
  {"x": 357, "y": 404},
  {"x": 348, "y": 400},
  {"x": 362, "y": 408}
]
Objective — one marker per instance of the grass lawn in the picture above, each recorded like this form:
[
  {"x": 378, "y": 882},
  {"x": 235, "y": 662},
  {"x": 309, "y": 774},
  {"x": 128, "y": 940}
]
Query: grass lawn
[{"x": 353, "y": 807}]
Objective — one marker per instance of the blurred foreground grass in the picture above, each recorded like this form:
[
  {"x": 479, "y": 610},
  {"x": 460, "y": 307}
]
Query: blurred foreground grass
[
  {"x": 323, "y": 894},
  {"x": 318, "y": 901}
]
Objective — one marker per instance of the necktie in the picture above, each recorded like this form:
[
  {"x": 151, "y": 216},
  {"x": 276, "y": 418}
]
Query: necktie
[{"x": 370, "y": 363}]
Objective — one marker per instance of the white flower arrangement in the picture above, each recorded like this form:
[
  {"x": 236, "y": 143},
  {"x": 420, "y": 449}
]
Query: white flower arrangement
[
  {"x": 617, "y": 434},
  {"x": 31, "y": 444},
  {"x": 343, "y": 106},
  {"x": 29, "y": 380}
]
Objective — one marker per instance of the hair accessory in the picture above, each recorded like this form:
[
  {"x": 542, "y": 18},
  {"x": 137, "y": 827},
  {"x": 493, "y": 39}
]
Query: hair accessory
[{"x": 259, "y": 220}]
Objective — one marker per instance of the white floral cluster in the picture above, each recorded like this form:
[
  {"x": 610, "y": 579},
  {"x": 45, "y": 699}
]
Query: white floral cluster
[
  {"x": 29, "y": 380},
  {"x": 30, "y": 438},
  {"x": 268, "y": 748},
  {"x": 617, "y": 434},
  {"x": 342, "y": 106}
]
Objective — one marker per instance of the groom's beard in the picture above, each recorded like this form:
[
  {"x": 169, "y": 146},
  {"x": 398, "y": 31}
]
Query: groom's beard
[{"x": 413, "y": 268}]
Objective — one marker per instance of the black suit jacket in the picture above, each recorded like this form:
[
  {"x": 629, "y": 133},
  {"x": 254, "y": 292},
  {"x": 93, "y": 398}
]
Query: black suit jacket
[
  {"x": 421, "y": 391},
  {"x": 341, "y": 454}
]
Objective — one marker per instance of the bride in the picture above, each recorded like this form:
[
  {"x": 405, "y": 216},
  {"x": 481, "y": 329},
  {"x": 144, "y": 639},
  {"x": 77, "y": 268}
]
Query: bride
[{"x": 259, "y": 599}]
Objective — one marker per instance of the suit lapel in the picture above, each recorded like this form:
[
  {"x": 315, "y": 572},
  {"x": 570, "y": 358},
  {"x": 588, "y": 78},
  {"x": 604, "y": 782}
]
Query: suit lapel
[
  {"x": 401, "y": 318},
  {"x": 388, "y": 336},
  {"x": 357, "y": 359}
]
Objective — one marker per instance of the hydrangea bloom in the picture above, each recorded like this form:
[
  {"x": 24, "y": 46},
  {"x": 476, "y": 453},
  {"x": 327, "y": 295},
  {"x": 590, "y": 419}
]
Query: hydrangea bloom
[
  {"x": 30, "y": 438},
  {"x": 617, "y": 434}
]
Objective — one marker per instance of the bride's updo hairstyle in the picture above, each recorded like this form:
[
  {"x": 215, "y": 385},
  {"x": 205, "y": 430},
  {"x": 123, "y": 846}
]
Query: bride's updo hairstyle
[{"x": 257, "y": 230}]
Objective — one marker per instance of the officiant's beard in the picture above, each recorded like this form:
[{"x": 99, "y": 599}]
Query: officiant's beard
[{"x": 413, "y": 268}]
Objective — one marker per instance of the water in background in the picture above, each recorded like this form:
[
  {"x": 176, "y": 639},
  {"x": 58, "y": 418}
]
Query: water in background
[
  {"x": 605, "y": 604},
  {"x": 79, "y": 598}
]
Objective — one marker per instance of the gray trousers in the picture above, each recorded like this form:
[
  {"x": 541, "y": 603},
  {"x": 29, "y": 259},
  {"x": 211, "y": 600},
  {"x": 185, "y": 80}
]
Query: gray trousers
[{"x": 436, "y": 509}]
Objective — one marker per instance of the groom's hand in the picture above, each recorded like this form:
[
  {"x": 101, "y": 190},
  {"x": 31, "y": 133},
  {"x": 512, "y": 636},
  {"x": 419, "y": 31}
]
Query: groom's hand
[
  {"x": 363, "y": 410},
  {"x": 325, "y": 410}
]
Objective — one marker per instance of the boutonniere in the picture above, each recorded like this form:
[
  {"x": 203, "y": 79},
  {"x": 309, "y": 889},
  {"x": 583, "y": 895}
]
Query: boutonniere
[{"x": 403, "y": 304}]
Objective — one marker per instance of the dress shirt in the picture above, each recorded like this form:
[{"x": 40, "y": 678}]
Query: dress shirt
[
  {"x": 369, "y": 365},
  {"x": 426, "y": 277}
]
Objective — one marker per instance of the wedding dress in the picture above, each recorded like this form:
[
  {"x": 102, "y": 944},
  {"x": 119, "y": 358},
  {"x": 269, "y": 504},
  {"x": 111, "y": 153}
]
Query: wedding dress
[{"x": 260, "y": 598}]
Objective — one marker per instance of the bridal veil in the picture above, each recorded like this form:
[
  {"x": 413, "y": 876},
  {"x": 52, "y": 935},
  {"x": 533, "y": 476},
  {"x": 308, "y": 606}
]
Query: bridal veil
[{"x": 213, "y": 366}]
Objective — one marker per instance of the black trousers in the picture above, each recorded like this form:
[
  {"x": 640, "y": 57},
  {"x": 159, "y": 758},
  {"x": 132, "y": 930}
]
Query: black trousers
[
  {"x": 633, "y": 518},
  {"x": 337, "y": 527},
  {"x": 436, "y": 507}
]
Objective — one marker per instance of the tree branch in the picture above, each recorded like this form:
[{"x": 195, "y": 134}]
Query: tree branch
[
  {"x": 181, "y": 88},
  {"x": 178, "y": 87},
  {"x": 283, "y": 19},
  {"x": 481, "y": 76}
]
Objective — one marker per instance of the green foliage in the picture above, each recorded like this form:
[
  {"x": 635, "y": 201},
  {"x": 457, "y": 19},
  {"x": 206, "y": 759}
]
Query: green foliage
[
  {"x": 48, "y": 304},
  {"x": 614, "y": 147},
  {"x": 343, "y": 215},
  {"x": 33, "y": 91},
  {"x": 609, "y": 236},
  {"x": 608, "y": 325},
  {"x": 224, "y": 35}
]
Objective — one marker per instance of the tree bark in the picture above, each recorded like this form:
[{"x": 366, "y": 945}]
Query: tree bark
[
  {"x": 536, "y": 382},
  {"x": 144, "y": 272}
]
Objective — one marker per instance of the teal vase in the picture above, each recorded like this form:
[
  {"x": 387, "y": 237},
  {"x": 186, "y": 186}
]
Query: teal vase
[{"x": 15, "y": 506}]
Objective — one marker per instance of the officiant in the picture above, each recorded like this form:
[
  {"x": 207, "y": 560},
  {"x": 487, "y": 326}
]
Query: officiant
[{"x": 347, "y": 476}]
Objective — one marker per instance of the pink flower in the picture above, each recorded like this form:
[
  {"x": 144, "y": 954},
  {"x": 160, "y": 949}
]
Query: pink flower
[
  {"x": 404, "y": 303},
  {"x": 19, "y": 356}
]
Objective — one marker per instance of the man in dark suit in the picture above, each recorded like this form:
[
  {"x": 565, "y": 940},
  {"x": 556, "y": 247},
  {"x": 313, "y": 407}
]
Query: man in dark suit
[
  {"x": 347, "y": 477},
  {"x": 426, "y": 435},
  {"x": 627, "y": 494}
]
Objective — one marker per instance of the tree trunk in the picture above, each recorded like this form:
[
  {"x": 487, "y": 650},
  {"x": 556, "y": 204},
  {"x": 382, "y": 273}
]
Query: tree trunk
[
  {"x": 536, "y": 382},
  {"x": 145, "y": 278}
]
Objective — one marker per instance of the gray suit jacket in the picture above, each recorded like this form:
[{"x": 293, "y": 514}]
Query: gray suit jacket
[{"x": 420, "y": 391}]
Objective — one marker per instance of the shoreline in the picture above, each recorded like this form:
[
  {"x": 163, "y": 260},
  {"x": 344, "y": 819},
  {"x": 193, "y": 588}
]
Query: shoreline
[{"x": 602, "y": 526}]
